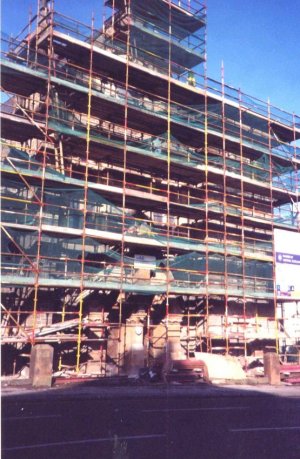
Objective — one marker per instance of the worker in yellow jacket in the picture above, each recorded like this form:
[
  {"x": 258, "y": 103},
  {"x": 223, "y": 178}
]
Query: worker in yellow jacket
[{"x": 191, "y": 80}]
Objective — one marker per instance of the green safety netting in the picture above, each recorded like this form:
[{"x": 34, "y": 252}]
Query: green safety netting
[
  {"x": 61, "y": 255},
  {"x": 149, "y": 34},
  {"x": 155, "y": 146},
  {"x": 63, "y": 206},
  {"x": 193, "y": 116},
  {"x": 60, "y": 258},
  {"x": 158, "y": 147},
  {"x": 66, "y": 122},
  {"x": 253, "y": 132},
  {"x": 158, "y": 13}
]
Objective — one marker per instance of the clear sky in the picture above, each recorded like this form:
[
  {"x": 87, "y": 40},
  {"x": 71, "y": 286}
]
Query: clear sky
[{"x": 258, "y": 41}]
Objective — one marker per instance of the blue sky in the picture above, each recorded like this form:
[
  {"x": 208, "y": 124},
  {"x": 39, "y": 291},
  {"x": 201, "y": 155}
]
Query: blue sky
[{"x": 258, "y": 41}]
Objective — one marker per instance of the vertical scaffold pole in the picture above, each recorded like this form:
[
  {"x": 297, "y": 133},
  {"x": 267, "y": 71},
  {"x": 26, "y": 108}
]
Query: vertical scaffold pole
[
  {"x": 121, "y": 346},
  {"x": 207, "y": 331},
  {"x": 29, "y": 36},
  {"x": 44, "y": 163},
  {"x": 296, "y": 174},
  {"x": 224, "y": 208},
  {"x": 168, "y": 180},
  {"x": 242, "y": 221},
  {"x": 272, "y": 226},
  {"x": 85, "y": 199},
  {"x": 63, "y": 316}
]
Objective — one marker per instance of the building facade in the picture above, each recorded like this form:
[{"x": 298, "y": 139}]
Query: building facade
[{"x": 139, "y": 198}]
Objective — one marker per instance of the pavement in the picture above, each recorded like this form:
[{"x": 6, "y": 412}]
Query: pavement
[
  {"x": 134, "y": 388},
  {"x": 134, "y": 421}
]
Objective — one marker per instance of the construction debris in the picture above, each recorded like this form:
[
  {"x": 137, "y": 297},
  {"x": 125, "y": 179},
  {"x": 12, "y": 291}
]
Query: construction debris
[{"x": 221, "y": 367}]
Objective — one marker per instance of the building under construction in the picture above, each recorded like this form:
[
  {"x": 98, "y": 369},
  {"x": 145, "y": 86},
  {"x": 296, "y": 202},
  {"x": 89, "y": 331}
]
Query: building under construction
[{"x": 140, "y": 198}]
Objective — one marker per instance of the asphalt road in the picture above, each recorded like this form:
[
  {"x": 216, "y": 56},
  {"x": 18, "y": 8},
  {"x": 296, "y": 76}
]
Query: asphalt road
[{"x": 184, "y": 422}]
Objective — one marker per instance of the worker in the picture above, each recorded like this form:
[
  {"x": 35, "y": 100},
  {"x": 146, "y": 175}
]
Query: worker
[{"x": 191, "y": 79}]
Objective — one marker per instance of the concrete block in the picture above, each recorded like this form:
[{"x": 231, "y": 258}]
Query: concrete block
[
  {"x": 115, "y": 351},
  {"x": 93, "y": 367},
  {"x": 135, "y": 354},
  {"x": 272, "y": 368},
  {"x": 41, "y": 365}
]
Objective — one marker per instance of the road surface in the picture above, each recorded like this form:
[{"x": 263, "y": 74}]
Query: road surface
[{"x": 93, "y": 421}]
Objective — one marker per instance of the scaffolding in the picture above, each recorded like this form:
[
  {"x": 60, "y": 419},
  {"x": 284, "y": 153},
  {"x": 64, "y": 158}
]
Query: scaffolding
[{"x": 139, "y": 197}]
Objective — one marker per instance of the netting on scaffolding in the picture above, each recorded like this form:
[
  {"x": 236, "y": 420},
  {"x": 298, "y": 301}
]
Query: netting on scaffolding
[
  {"x": 284, "y": 176},
  {"x": 196, "y": 13},
  {"x": 63, "y": 207},
  {"x": 150, "y": 26},
  {"x": 62, "y": 258},
  {"x": 74, "y": 124},
  {"x": 186, "y": 16},
  {"x": 254, "y": 131}
]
